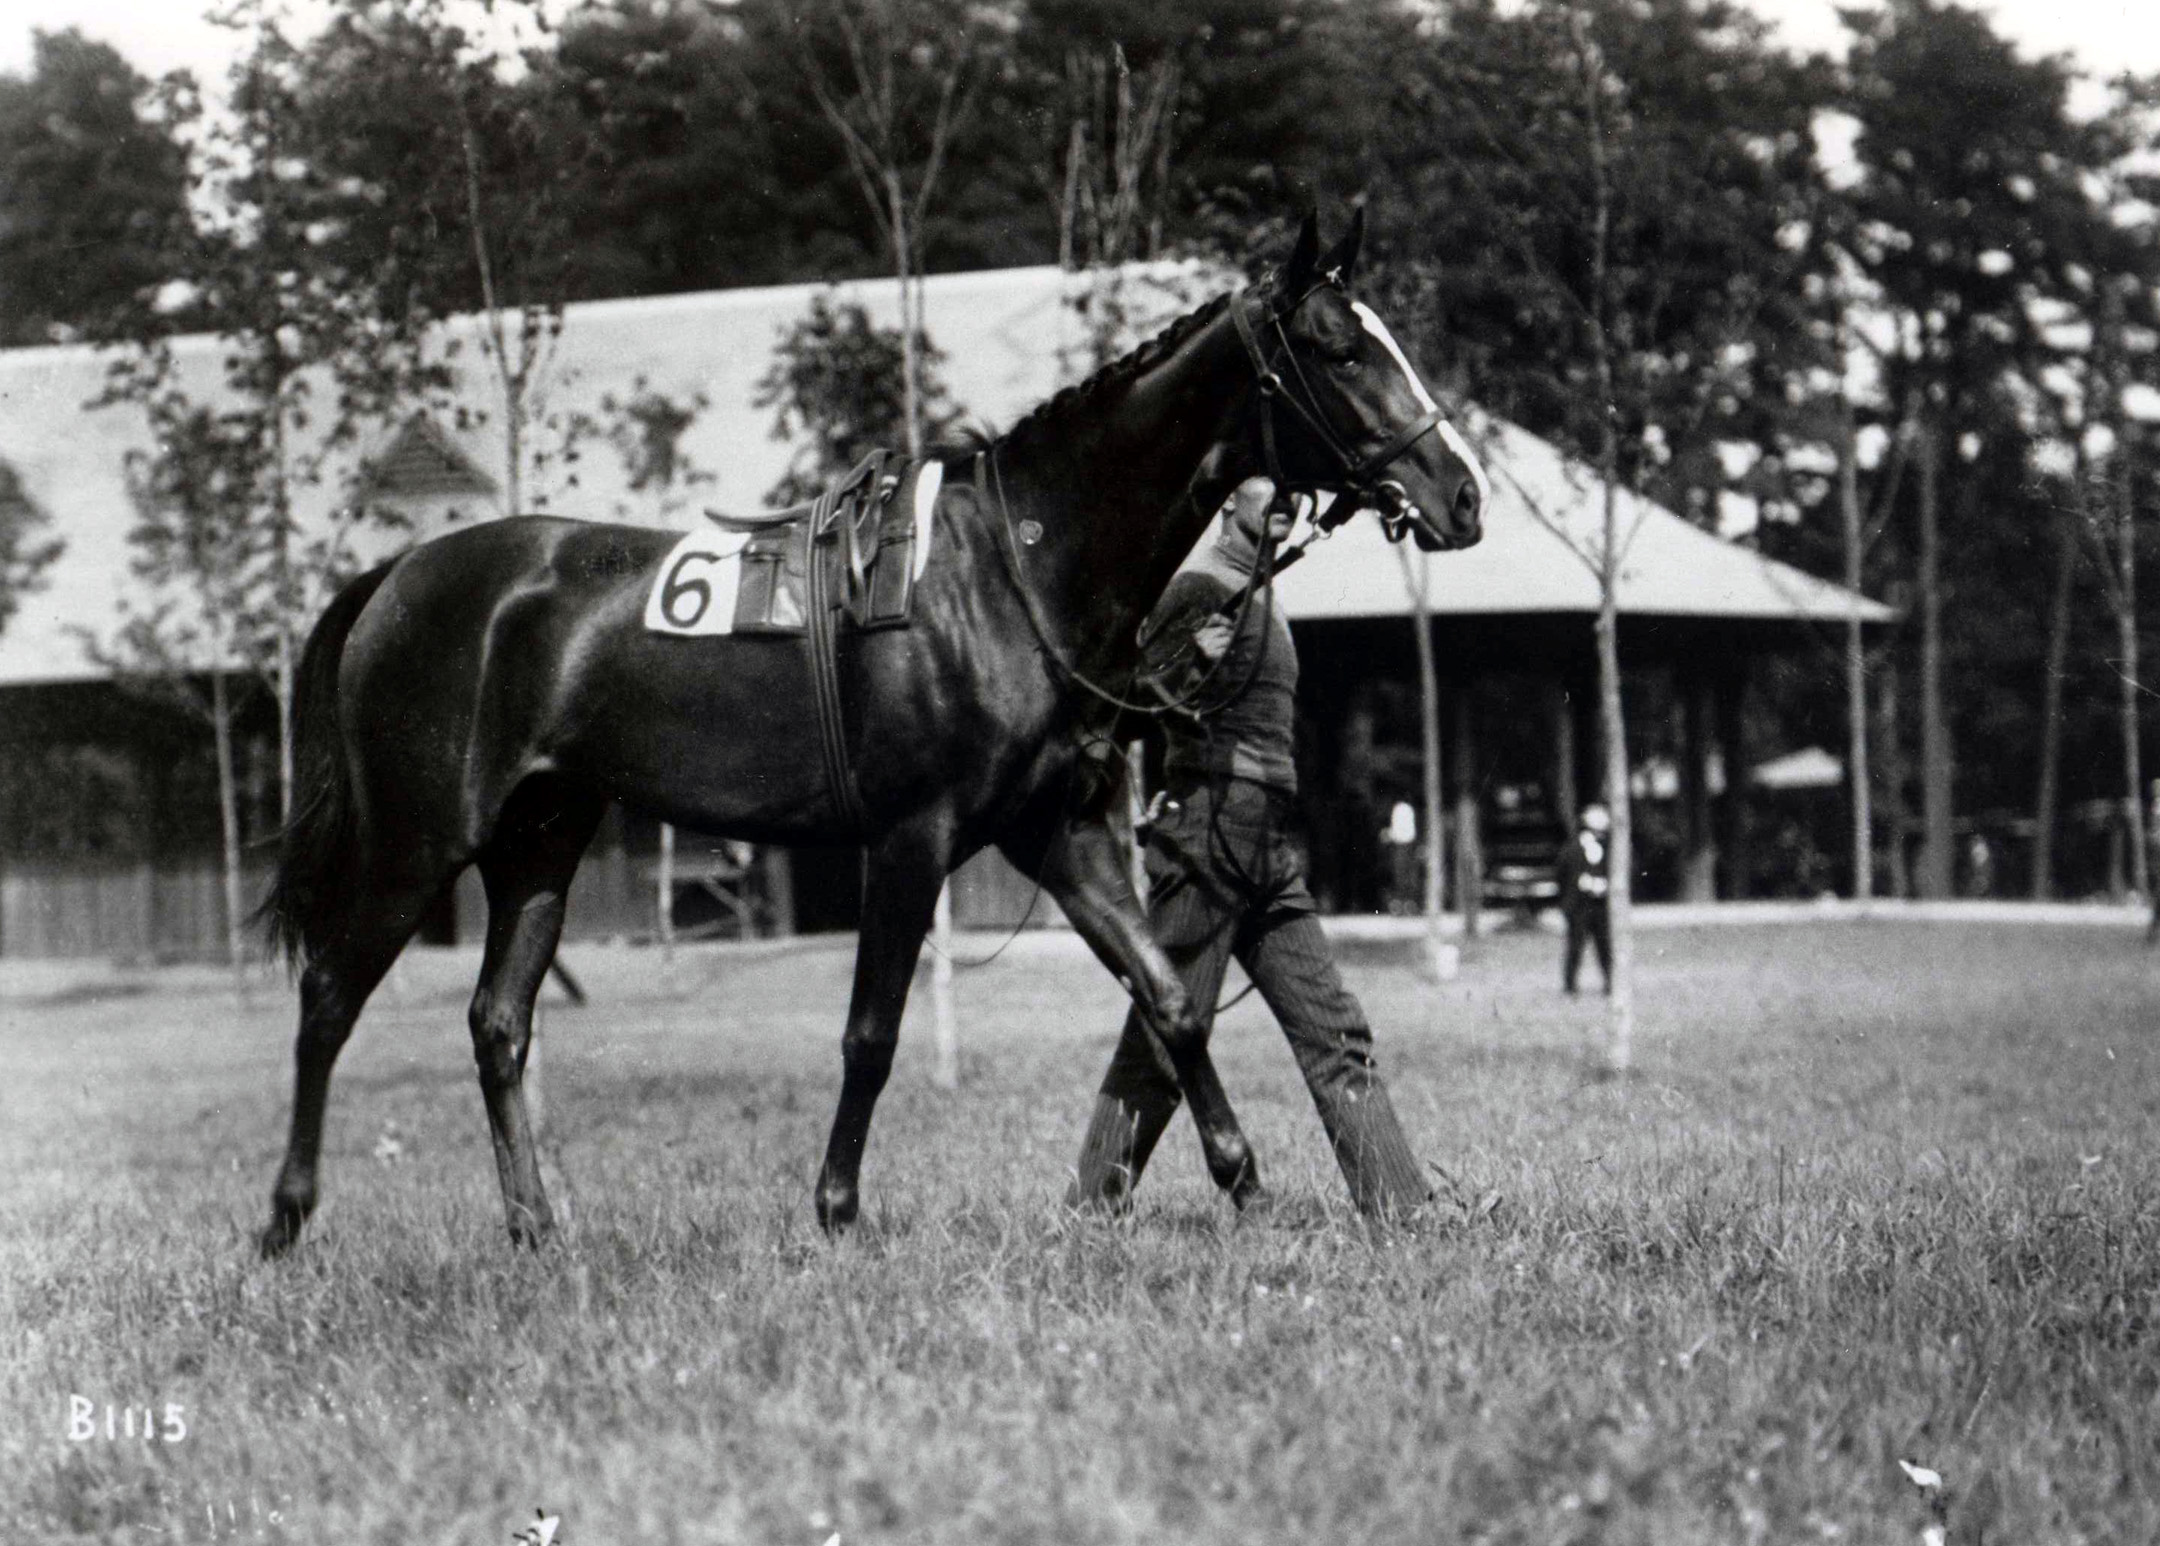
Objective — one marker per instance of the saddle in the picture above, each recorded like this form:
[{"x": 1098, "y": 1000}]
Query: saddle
[
  {"x": 852, "y": 552},
  {"x": 851, "y": 549}
]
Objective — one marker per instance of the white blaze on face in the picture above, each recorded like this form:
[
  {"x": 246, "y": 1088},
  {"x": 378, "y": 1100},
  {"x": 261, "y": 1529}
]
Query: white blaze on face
[{"x": 1370, "y": 321}]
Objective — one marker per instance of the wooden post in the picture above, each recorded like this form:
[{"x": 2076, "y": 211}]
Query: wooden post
[
  {"x": 1857, "y": 780},
  {"x": 1937, "y": 861},
  {"x": 779, "y": 866}
]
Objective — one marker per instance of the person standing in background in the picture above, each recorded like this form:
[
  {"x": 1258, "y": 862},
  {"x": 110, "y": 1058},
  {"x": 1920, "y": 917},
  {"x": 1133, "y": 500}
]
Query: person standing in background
[{"x": 1585, "y": 895}]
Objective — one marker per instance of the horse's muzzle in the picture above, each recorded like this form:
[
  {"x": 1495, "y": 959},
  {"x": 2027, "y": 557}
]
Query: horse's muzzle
[{"x": 1460, "y": 528}]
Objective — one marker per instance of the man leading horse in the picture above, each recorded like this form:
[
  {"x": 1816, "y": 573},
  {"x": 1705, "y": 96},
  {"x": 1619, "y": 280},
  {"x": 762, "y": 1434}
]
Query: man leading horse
[{"x": 1226, "y": 879}]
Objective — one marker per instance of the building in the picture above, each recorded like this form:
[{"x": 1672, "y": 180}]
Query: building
[{"x": 108, "y": 821}]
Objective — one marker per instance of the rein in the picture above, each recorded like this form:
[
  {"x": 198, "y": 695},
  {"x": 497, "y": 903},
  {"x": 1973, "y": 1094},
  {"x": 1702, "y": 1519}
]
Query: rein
[{"x": 1009, "y": 550}]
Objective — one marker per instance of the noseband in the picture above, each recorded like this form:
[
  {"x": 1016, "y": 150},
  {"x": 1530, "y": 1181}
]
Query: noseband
[{"x": 1359, "y": 475}]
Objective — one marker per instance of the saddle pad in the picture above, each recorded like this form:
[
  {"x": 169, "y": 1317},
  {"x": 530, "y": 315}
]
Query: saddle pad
[
  {"x": 716, "y": 581},
  {"x": 694, "y": 595}
]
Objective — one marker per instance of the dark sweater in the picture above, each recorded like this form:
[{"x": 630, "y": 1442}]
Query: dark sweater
[{"x": 1242, "y": 721}]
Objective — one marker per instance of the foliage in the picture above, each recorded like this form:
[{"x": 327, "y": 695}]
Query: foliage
[
  {"x": 92, "y": 182},
  {"x": 24, "y": 553},
  {"x": 1974, "y": 234},
  {"x": 835, "y": 384}
]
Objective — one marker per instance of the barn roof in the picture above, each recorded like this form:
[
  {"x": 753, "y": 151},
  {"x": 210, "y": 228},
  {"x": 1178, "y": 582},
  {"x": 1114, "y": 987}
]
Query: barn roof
[
  {"x": 1543, "y": 532},
  {"x": 1006, "y": 336}
]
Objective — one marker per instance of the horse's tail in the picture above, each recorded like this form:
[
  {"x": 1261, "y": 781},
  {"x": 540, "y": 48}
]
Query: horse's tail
[{"x": 314, "y": 849}]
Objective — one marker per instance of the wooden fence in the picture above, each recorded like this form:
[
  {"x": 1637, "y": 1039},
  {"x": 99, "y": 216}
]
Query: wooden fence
[
  {"x": 136, "y": 912},
  {"x": 174, "y": 910}
]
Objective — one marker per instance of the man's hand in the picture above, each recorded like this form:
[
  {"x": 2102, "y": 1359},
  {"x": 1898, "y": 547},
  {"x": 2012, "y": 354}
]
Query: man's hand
[{"x": 1212, "y": 638}]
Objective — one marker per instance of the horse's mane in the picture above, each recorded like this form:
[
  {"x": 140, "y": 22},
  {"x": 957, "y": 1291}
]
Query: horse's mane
[{"x": 1118, "y": 372}]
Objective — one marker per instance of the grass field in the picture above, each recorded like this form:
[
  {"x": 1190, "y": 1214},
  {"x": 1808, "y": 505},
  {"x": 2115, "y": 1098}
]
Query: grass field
[{"x": 1875, "y": 1194}]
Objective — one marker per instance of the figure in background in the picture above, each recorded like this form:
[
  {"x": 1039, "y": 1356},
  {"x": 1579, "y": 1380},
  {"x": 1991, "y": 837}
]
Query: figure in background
[
  {"x": 1585, "y": 894},
  {"x": 1225, "y": 877}
]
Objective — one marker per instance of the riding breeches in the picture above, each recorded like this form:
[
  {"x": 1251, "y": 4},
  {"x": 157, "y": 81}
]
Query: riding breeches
[{"x": 1225, "y": 880}]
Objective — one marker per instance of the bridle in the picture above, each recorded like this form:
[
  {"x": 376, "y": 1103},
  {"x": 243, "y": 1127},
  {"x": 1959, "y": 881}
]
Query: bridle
[
  {"x": 1361, "y": 488},
  {"x": 1359, "y": 476}
]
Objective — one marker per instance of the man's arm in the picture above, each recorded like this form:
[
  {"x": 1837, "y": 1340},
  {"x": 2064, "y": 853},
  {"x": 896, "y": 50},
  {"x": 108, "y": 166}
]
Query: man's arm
[{"x": 1174, "y": 655}]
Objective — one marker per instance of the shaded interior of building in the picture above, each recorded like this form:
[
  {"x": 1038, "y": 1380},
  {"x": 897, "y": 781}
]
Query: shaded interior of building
[{"x": 110, "y": 831}]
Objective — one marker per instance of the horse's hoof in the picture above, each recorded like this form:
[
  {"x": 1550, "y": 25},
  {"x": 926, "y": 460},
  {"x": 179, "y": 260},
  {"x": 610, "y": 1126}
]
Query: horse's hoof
[
  {"x": 1252, "y": 1199},
  {"x": 283, "y": 1231},
  {"x": 530, "y": 1232},
  {"x": 836, "y": 1210}
]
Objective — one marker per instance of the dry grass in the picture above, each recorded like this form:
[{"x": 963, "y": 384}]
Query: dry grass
[{"x": 1875, "y": 1194}]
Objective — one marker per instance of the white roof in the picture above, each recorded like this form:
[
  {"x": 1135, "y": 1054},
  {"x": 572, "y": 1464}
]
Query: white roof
[
  {"x": 1008, "y": 341},
  {"x": 1544, "y": 531}
]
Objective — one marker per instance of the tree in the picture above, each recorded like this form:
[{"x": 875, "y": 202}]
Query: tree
[
  {"x": 1966, "y": 157},
  {"x": 316, "y": 349},
  {"x": 92, "y": 182},
  {"x": 200, "y": 546},
  {"x": 1616, "y": 188},
  {"x": 835, "y": 387},
  {"x": 904, "y": 83},
  {"x": 24, "y": 555}
]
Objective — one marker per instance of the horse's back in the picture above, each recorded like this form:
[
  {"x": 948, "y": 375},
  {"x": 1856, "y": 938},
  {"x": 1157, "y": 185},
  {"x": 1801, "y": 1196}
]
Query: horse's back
[{"x": 519, "y": 647}]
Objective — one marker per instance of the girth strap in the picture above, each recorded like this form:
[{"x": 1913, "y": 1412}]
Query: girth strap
[{"x": 821, "y": 563}]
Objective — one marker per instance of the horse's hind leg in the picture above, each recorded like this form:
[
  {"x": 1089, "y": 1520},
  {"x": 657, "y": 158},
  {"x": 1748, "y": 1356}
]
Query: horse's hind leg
[
  {"x": 333, "y": 987},
  {"x": 527, "y": 868}
]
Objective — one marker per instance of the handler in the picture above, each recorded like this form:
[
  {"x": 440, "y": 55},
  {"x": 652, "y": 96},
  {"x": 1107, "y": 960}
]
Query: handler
[
  {"x": 1224, "y": 878},
  {"x": 1586, "y": 895}
]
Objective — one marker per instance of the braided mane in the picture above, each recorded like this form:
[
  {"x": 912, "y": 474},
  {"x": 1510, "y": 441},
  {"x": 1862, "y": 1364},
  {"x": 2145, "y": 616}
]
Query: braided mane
[{"x": 1119, "y": 371}]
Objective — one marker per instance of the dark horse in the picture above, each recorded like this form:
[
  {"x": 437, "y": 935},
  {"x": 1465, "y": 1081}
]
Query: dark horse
[{"x": 479, "y": 700}]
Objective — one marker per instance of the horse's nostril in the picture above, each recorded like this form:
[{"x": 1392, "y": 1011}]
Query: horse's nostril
[{"x": 1466, "y": 502}]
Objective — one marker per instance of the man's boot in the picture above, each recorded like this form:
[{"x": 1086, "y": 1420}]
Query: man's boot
[{"x": 1120, "y": 1137}]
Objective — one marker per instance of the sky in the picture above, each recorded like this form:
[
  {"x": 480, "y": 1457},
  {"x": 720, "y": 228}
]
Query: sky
[{"x": 160, "y": 35}]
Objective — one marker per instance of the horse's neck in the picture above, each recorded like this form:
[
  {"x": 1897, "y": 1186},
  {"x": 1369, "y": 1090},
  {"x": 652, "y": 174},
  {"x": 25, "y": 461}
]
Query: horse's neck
[{"x": 1125, "y": 500}]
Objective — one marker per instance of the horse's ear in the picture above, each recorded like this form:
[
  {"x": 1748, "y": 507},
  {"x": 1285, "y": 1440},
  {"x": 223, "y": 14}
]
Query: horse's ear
[
  {"x": 1297, "y": 274},
  {"x": 1341, "y": 262}
]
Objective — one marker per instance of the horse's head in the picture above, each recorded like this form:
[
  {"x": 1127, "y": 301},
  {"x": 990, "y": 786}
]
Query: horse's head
[{"x": 1359, "y": 419}]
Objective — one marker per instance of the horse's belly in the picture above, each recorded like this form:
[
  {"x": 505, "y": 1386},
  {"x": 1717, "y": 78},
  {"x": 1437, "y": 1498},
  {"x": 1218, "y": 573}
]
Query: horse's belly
[{"x": 717, "y": 734}]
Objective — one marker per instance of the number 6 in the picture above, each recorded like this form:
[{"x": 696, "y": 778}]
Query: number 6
[{"x": 676, "y": 586}]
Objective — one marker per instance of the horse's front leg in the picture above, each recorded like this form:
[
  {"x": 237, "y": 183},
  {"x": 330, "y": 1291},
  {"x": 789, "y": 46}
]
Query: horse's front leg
[
  {"x": 1082, "y": 865},
  {"x": 900, "y": 889}
]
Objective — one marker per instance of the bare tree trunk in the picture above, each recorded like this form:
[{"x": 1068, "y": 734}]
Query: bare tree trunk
[
  {"x": 945, "y": 1022},
  {"x": 1469, "y": 851},
  {"x": 1620, "y": 901},
  {"x": 664, "y": 892},
  {"x": 1620, "y": 1023},
  {"x": 1896, "y": 774},
  {"x": 285, "y": 717},
  {"x": 1435, "y": 812},
  {"x": 1856, "y": 710},
  {"x": 2049, "y": 796},
  {"x": 1937, "y": 858},
  {"x": 229, "y": 825},
  {"x": 2126, "y": 635}
]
